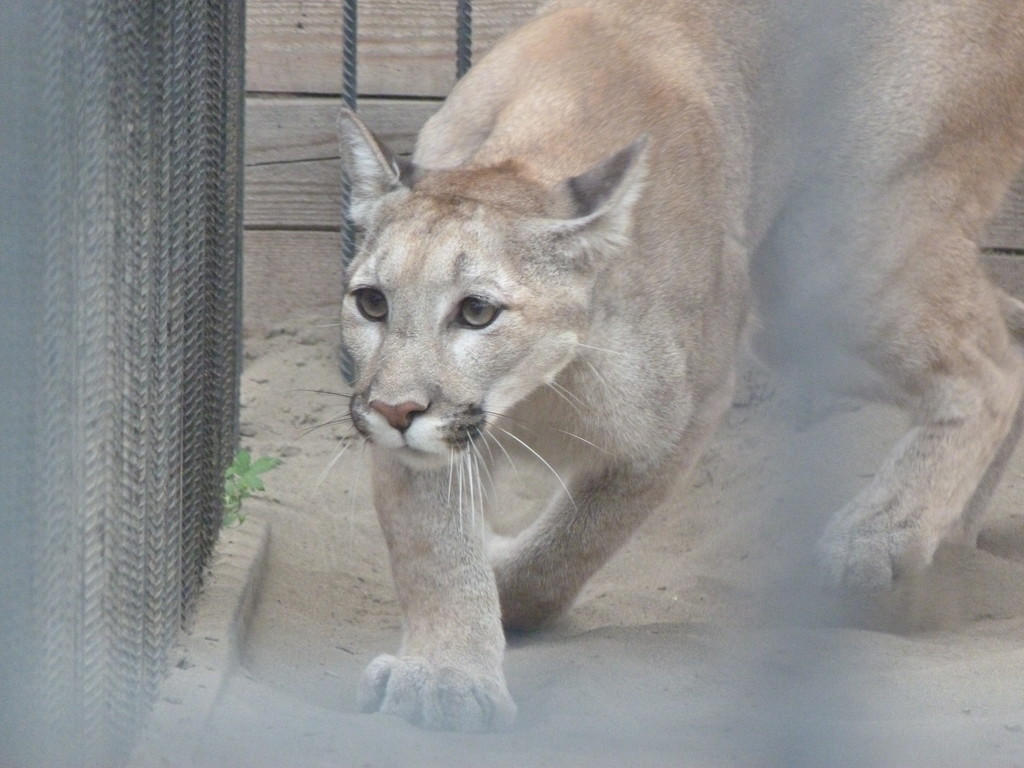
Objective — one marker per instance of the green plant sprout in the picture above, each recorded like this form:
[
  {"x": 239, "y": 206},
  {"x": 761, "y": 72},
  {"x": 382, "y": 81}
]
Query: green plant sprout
[{"x": 241, "y": 480}]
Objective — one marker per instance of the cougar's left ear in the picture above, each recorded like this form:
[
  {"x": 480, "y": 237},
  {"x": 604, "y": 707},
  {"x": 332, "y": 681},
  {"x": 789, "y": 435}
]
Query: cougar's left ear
[
  {"x": 603, "y": 198},
  {"x": 373, "y": 170}
]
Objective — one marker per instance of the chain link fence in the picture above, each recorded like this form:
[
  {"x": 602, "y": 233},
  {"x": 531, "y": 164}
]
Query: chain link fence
[{"x": 120, "y": 237}]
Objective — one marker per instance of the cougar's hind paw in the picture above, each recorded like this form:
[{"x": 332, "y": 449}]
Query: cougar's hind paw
[{"x": 865, "y": 551}]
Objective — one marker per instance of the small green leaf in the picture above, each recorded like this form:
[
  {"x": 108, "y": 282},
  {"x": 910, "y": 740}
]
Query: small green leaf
[
  {"x": 241, "y": 463},
  {"x": 241, "y": 480},
  {"x": 264, "y": 464}
]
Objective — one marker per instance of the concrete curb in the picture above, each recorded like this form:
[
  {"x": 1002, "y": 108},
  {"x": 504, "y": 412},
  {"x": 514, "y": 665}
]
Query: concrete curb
[{"x": 208, "y": 649}]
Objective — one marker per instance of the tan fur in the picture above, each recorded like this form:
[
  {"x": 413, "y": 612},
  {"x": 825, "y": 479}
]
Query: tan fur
[{"x": 624, "y": 180}]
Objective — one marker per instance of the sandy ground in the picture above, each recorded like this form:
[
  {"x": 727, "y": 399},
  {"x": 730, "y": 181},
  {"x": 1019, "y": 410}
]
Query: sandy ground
[{"x": 705, "y": 642}]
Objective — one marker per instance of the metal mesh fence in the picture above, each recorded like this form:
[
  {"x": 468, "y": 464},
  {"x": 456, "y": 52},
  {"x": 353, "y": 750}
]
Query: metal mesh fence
[{"x": 128, "y": 309}]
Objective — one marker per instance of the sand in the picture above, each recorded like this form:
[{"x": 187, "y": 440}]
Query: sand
[{"x": 706, "y": 641}]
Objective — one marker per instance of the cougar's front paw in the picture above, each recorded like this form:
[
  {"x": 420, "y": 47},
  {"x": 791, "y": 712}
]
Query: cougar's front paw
[
  {"x": 436, "y": 697},
  {"x": 867, "y": 549}
]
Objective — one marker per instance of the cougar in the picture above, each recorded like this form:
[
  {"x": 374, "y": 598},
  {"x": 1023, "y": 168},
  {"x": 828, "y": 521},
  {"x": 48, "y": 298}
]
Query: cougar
[{"x": 588, "y": 227}]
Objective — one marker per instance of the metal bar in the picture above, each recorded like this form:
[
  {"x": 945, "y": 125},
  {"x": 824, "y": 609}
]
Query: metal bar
[
  {"x": 463, "y": 37},
  {"x": 349, "y": 96}
]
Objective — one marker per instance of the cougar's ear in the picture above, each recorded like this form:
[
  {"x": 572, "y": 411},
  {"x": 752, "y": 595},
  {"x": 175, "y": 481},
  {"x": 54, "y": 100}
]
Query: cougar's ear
[
  {"x": 373, "y": 170},
  {"x": 602, "y": 199}
]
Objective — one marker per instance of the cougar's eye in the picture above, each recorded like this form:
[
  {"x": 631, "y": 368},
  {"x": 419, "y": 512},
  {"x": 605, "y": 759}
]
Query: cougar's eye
[
  {"x": 372, "y": 304},
  {"x": 475, "y": 312}
]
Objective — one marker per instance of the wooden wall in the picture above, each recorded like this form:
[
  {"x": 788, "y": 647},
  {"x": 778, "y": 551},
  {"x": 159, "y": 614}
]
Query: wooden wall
[
  {"x": 293, "y": 78},
  {"x": 406, "y": 65}
]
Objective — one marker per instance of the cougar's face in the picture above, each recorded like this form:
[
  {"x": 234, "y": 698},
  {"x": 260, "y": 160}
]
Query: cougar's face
[{"x": 453, "y": 314}]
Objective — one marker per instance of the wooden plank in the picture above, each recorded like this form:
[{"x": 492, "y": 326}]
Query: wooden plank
[
  {"x": 1006, "y": 232},
  {"x": 293, "y": 174},
  {"x": 293, "y": 276},
  {"x": 406, "y": 47},
  {"x": 287, "y": 187},
  {"x": 304, "y": 128},
  {"x": 1006, "y": 271},
  {"x": 290, "y": 275}
]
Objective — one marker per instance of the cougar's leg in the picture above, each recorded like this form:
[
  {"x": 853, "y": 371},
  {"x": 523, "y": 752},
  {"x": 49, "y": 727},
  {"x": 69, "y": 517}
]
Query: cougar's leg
[
  {"x": 448, "y": 673},
  {"x": 541, "y": 571},
  {"x": 976, "y": 507},
  {"x": 937, "y": 336}
]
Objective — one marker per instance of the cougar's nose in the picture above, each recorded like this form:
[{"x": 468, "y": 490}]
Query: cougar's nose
[{"x": 398, "y": 416}]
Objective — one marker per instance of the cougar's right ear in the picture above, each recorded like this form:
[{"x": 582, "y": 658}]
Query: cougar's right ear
[
  {"x": 603, "y": 198},
  {"x": 373, "y": 170}
]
